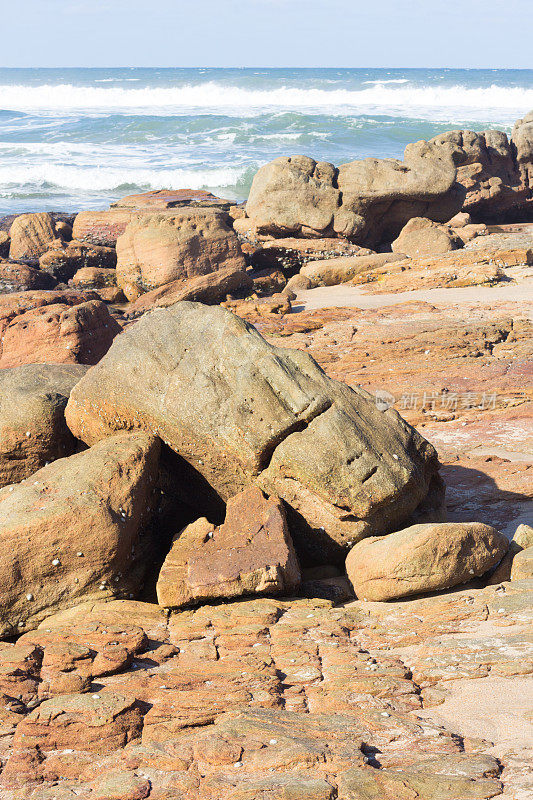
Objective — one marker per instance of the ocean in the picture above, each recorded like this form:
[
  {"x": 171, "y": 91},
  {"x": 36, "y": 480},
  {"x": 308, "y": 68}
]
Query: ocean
[{"x": 82, "y": 138}]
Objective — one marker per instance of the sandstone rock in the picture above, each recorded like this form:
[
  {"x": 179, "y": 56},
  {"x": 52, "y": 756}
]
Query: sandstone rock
[
  {"x": 423, "y": 558},
  {"x": 340, "y": 270},
  {"x": 299, "y": 283},
  {"x": 268, "y": 281},
  {"x": 32, "y": 235},
  {"x": 522, "y": 539},
  {"x": 487, "y": 169},
  {"x": 33, "y": 431},
  {"x": 292, "y": 254},
  {"x": 522, "y": 139},
  {"x": 277, "y": 305},
  {"x": 94, "y": 278},
  {"x": 96, "y": 723},
  {"x": 365, "y": 201},
  {"x": 64, "y": 261},
  {"x": 101, "y": 227},
  {"x": 169, "y": 246},
  {"x": 241, "y": 411},
  {"x": 209, "y": 289},
  {"x": 422, "y": 237},
  {"x": 172, "y": 198},
  {"x": 251, "y": 553},
  {"x": 460, "y": 220},
  {"x": 58, "y": 333},
  {"x": 72, "y": 532},
  {"x": 16, "y": 277},
  {"x": 5, "y": 241},
  {"x": 522, "y": 566},
  {"x": 110, "y": 613}
]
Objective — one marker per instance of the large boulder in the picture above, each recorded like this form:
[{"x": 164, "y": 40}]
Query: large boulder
[
  {"x": 33, "y": 431},
  {"x": 422, "y": 237},
  {"x": 241, "y": 411},
  {"x": 73, "y": 531},
  {"x": 32, "y": 235},
  {"x": 68, "y": 331},
  {"x": 340, "y": 270},
  {"x": 423, "y": 558},
  {"x": 250, "y": 554},
  {"x": 522, "y": 540},
  {"x": 365, "y": 201},
  {"x": 496, "y": 189},
  {"x": 169, "y": 246}
]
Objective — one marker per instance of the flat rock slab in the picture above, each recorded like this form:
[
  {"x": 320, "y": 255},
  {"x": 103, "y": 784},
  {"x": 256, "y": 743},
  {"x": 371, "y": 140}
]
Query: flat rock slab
[{"x": 251, "y": 553}]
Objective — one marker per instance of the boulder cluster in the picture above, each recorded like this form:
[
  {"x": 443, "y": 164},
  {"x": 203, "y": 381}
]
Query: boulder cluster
[{"x": 199, "y": 527}]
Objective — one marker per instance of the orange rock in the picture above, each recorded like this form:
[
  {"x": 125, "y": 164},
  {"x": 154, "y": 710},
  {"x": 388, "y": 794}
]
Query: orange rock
[
  {"x": 21, "y": 278},
  {"x": 251, "y": 553},
  {"x": 170, "y": 246},
  {"x": 32, "y": 235},
  {"x": 58, "y": 333},
  {"x": 101, "y": 227},
  {"x": 172, "y": 198}
]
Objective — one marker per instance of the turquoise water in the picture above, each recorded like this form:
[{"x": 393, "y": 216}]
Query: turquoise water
[{"x": 76, "y": 138}]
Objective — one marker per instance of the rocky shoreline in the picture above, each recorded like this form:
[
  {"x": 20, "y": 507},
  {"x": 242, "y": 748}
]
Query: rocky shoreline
[{"x": 266, "y": 486}]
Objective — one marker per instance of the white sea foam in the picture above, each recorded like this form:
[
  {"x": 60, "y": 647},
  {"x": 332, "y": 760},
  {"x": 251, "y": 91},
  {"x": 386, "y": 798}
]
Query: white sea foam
[
  {"x": 108, "y": 178},
  {"x": 437, "y": 101}
]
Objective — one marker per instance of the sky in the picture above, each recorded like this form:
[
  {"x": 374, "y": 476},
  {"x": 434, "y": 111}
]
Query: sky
[{"x": 269, "y": 33}]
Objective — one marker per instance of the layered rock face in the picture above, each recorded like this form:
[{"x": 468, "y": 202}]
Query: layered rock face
[
  {"x": 423, "y": 558},
  {"x": 74, "y": 530},
  {"x": 364, "y": 201},
  {"x": 165, "y": 247},
  {"x": 251, "y": 553},
  {"x": 33, "y": 431},
  {"x": 241, "y": 411}
]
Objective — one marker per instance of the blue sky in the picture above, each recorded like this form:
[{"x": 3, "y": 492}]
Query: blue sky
[{"x": 312, "y": 33}]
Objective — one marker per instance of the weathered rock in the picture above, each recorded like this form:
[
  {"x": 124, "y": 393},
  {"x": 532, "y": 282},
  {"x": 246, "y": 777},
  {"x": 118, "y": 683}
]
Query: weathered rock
[
  {"x": 16, "y": 277},
  {"x": 422, "y": 237},
  {"x": 209, "y": 289},
  {"x": 101, "y": 227},
  {"x": 241, "y": 411},
  {"x": 32, "y": 235},
  {"x": 33, "y": 431},
  {"x": 487, "y": 169},
  {"x": 522, "y": 566},
  {"x": 522, "y": 139},
  {"x": 64, "y": 261},
  {"x": 96, "y": 723},
  {"x": 423, "y": 558},
  {"x": 5, "y": 241},
  {"x": 365, "y": 201},
  {"x": 172, "y": 198},
  {"x": 292, "y": 254},
  {"x": 94, "y": 278},
  {"x": 251, "y": 553},
  {"x": 268, "y": 281},
  {"x": 522, "y": 540},
  {"x": 73, "y": 531},
  {"x": 170, "y": 246},
  {"x": 299, "y": 283},
  {"x": 57, "y": 333},
  {"x": 340, "y": 270}
]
